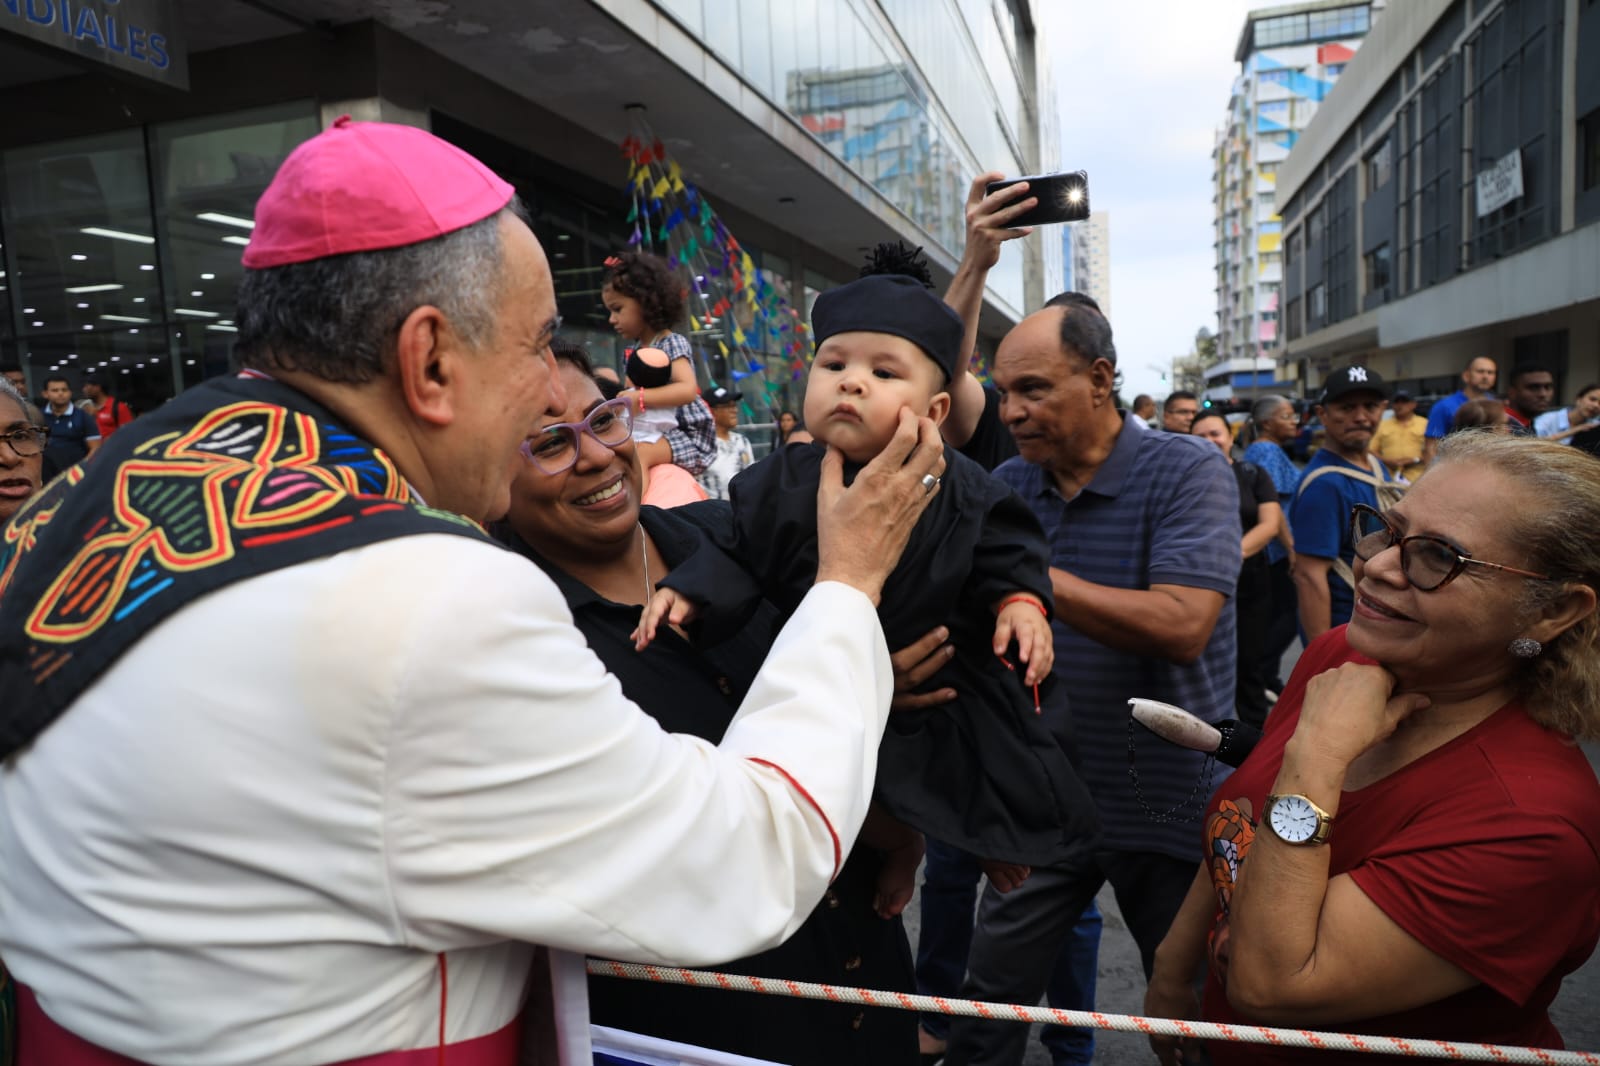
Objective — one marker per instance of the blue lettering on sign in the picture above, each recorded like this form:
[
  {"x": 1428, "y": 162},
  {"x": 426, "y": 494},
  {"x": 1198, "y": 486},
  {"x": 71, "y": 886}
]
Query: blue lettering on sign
[
  {"x": 138, "y": 43},
  {"x": 88, "y": 27}
]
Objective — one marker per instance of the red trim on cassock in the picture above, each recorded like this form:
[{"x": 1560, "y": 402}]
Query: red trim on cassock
[
  {"x": 798, "y": 787},
  {"x": 41, "y": 1042}
]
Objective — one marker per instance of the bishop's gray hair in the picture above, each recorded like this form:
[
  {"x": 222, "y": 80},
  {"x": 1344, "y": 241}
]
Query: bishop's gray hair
[{"x": 338, "y": 317}]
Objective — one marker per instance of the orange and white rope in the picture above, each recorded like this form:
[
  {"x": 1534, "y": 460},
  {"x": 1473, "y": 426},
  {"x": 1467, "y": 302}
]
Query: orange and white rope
[{"x": 1126, "y": 1023}]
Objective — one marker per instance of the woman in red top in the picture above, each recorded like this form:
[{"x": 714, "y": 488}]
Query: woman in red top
[{"x": 1414, "y": 847}]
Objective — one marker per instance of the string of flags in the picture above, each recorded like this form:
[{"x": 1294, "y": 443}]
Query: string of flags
[{"x": 763, "y": 340}]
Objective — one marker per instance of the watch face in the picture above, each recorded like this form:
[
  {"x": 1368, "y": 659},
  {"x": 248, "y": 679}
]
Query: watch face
[{"x": 1293, "y": 819}]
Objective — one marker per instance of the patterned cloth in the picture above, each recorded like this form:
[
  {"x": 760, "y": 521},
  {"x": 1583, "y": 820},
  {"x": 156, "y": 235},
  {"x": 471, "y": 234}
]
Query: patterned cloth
[
  {"x": 733, "y": 455},
  {"x": 694, "y": 441},
  {"x": 1285, "y": 477},
  {"x": 234, "y": 479}
]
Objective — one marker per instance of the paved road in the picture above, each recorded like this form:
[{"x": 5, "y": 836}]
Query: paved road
[{"x": 1120, "y": 990}]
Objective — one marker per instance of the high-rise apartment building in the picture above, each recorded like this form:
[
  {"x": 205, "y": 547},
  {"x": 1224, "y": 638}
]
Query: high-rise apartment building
[
  {"x": 1289, "y": 58},
  {"x": 129, "y": 170},
  {"x": 1086, "y": 252}
]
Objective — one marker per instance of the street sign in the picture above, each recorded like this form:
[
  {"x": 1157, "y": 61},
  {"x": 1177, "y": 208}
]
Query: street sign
[{"x": 1500, "y": 184}]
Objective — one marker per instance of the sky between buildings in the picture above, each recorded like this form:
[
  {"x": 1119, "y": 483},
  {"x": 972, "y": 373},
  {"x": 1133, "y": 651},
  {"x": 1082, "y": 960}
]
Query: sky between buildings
[{"x": 1142, "y": 87}]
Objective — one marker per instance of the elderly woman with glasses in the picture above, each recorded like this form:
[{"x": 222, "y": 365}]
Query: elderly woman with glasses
[
  {"x": 576, "y": 512},
  {"x": 22, "y": 441},
  {"x": 1413, "y": 849}
]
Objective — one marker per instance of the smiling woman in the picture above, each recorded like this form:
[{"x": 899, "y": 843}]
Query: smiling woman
[
  {"x": 576, "y": 512},
  {"x": 1429, "y": 863}
]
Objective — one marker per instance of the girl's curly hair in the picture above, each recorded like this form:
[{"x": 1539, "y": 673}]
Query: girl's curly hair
[{"x": 648, "y": 279}]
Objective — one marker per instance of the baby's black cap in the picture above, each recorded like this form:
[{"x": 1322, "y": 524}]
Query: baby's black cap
[{"x": 894, "y": 295}]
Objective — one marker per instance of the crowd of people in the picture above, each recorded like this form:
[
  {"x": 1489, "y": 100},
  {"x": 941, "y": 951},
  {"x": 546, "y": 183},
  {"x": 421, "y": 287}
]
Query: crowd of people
[{"x": 474, "y": 683}]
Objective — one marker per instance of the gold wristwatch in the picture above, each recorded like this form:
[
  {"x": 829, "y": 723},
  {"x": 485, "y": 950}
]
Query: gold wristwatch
[{"x": 1294, "y": 819}]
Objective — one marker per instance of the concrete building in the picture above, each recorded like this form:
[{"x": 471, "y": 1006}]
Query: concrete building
[
  {"x": 1086, "y": 250},
  {"x": 1290, "y": 57},
  {"x": 138, "y": 138},
  {"x": 1445, "y": 203}
]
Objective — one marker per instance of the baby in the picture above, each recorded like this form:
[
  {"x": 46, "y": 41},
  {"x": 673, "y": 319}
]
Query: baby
[{"x": 984, "y": 773}]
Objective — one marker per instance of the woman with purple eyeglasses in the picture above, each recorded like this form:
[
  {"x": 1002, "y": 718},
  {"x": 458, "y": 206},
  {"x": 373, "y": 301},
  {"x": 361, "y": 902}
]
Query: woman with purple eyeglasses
[
  {"x": 576, "y": 512},
  {"x": 1413, "y": 849}
]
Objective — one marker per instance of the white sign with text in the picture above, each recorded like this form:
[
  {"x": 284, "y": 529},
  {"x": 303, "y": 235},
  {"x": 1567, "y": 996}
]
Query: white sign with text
[{"x": 1500, "y": 184}]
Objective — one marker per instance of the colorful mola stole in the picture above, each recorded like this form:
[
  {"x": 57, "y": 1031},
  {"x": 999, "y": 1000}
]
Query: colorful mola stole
[{"x": 234, "y": 478}]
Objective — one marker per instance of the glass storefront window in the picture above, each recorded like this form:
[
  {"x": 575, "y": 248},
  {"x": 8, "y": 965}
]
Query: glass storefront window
[
  {"x": 125, "y": 260},
  {"x": 82, "y": 252},
  {"x": 208, "y": 175}
]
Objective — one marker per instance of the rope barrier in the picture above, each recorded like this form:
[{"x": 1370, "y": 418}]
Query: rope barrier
[{"x": 1126, "y": 1023}]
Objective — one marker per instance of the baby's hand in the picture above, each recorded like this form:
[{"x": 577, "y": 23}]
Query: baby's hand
[
  {"x": 676, "y": 609},
  {"x": 1022, "y": 619},
  {"x": 1004, "y": 876},
  {"x": 897, "y": 878}
]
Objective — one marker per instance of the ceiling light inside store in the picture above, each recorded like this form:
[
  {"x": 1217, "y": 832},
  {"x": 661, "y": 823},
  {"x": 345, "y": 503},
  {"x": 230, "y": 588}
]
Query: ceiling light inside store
[
  {"x": 146, "y": 266},
  {"x": 196, "y": 292},
  {"x": 38, "y": 325},
  {"x": 231, "y": 239},
  {"x": 93, "y": 288},
  {"x": 196, "y": 314},
  {"x": 117, "y": 234},
  {"x": 226, "y": 220},
  {"x": 219, "y": 327},
  {"x": 138, "y": 299},
  {"x": 81, "y": 306},
  {"x": 208, "y": 277},
  {"x": 188, "y": 362},
  {"x": 124, "y": 318},
  {"x": 29, "y": 310},
  {"x": 76, "y": 258}
]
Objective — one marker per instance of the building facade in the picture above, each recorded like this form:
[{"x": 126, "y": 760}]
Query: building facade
[
  {"x": 137, "y": 143},
  {"x": 1445, "y": 204},
  {"x": 1289, "y": 58}
]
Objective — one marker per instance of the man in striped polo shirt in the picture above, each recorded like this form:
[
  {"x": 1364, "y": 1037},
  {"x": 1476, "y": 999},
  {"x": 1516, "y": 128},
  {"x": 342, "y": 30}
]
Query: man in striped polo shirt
[{"x": 1144, "y": 531}]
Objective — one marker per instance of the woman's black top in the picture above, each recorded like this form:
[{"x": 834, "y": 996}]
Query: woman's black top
[
  {"x": 1255, "y": 489},
  {"x": 696, "y": 691}
]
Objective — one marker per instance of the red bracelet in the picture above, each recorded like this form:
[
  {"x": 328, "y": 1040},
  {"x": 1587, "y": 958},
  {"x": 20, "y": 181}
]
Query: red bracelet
[
  {"x": 640, "y": 396},
  {"x": 1024, "y": 599}
]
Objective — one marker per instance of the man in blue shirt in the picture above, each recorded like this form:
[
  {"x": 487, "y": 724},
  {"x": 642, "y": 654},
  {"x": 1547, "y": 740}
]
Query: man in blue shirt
[
  {"x": 1144, "y": 532},
  {"x": 1351, "y": 407},
  {"x": 1477, "y": 383},
  {"x": 74, "y": 434}
]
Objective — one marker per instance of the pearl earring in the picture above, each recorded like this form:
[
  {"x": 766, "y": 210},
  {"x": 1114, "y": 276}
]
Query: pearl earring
[{"x": 1525, "y": 647}]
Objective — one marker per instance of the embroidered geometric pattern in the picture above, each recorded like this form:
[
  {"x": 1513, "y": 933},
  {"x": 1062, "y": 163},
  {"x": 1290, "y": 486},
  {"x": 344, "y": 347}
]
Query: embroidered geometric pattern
[{"x": 248, "y": 475}]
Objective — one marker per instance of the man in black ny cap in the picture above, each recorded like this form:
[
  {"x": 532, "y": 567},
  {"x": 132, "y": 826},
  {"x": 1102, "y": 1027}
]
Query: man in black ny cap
[
  {"x": 733, "y": 449},
  {"x": 1342, "y": 474}
]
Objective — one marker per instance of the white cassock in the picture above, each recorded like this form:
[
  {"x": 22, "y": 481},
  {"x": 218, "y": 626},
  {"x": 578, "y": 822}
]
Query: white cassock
[{"x": 312, "y": 814}]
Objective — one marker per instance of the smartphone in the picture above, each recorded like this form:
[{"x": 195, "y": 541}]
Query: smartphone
[{"x": 1062, "y": 198}]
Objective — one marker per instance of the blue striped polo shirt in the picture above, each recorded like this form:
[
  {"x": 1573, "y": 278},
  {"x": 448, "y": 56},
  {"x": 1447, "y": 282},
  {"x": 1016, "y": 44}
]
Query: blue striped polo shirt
[{"x": 1163, "y": 509}]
